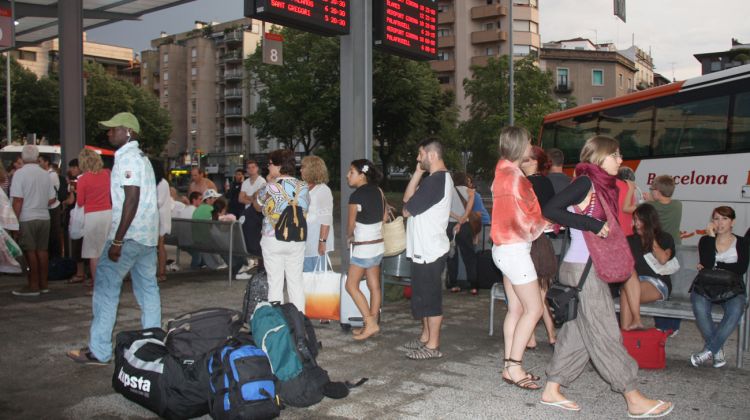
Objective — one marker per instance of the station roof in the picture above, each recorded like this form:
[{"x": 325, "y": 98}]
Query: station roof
[{"x": 38, "y": 19}]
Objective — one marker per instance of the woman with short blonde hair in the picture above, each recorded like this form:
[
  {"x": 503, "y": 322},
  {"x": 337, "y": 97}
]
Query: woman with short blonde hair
[
  {"x": 320, "y": 213},
  {"x": 90, "y": 161}
]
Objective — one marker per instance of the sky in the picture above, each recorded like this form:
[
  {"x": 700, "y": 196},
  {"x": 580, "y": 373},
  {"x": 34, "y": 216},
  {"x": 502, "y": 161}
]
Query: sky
[{"x": 673, "y": 30}]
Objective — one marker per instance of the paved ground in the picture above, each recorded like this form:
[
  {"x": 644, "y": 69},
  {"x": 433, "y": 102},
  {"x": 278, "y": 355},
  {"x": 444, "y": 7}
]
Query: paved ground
[{"x": 39, "y": 382}]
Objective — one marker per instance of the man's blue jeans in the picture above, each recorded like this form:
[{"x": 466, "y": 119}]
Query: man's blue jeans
[
  {"x": 140, "y": 260},
  {"x": 714, "y": 335}
]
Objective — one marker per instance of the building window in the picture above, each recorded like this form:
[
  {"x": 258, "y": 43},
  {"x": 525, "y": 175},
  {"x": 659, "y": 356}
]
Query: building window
[
  {"x": 562, "y": 77},
  {"x": 166, "y": 58},
  {"x": 533, "y": 27},
  {"x": 597, "y": 77},
  {"x": 521, "y": 50},
  {"x": 444, "y": 80},
  {"x": 145, "y": 65},
  {"x": 489, "y": 51},
  {"x": 443, "y": 56},
  {"x": 26, "y": 55},
  {"x": 489, "y": 26},
  {"x": 619, "y": 80},
  {"x": 596, "y": 99},
  {"x": 194, "y": 71},
  {"x": 166, "y": 93},
  {"x": 443, "y": 32},
  {"x": 521, "y": 25},
  {"x": 532, "y": 3},
  {"x": 630, "y": 83},
  {"x": 255, "y": 28},
  {"x": 715, "y": 65},
  {"x": 166, "y": 76},
  {"x": 193, "y": 54}
]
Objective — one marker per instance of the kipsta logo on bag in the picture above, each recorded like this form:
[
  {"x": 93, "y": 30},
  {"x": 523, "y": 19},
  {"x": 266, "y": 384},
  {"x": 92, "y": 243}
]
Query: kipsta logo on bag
[{"x": 135, "y": 382}]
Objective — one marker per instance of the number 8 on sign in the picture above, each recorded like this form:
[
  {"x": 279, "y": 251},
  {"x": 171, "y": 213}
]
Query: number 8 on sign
[{"x": 273, "y": 48}]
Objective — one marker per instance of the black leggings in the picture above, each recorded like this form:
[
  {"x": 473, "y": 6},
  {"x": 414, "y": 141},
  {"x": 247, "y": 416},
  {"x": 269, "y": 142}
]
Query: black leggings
[{"x": 464, "y": 245}]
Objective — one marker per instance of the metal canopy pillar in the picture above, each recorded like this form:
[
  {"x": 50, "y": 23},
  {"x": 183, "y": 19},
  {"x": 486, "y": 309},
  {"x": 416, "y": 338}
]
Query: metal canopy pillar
[
  {"x": 356, "y": 100},
  {"x": 72, "y": 134}
]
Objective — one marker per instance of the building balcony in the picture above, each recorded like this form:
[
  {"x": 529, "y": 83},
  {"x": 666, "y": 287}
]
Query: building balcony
[
  {"x": 231, "y": 57},
  {"x": 233, "y": 131},
  {"x": 446, "y": 41},
  {"x": 233, "y": 93},
  {"x": 488, "y": 11},
  {"x": 564, "y": 87},
  {"x": 233, "y": 112},
  {"x": 234, "y": 37},
  {"x": 233, "y": 75},
  {"x": 443, "y": 65},
  {"x": 494, "y": 35},
  {"x": 481, "y": 60},
  {"x": 447, "y": 17}
]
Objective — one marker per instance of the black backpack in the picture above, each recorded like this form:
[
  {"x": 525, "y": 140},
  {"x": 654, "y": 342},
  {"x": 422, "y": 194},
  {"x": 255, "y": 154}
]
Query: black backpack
[
  {"x": 256, "y": 291},
  {"x": 306, "y": 388},
  {"x": 242, "y": 384},
  {"x": 194, "y": 334},
  {"x": 292, "y": 225}
]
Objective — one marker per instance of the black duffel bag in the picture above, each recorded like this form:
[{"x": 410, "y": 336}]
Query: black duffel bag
[
  {"x": 194, "y": 334},
  {"x": 139, "y": 367},
  {"x": 718, "y": 285}
]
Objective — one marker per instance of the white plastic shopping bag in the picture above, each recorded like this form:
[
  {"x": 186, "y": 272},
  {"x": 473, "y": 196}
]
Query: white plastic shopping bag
[{"x": 322, "y": 296}]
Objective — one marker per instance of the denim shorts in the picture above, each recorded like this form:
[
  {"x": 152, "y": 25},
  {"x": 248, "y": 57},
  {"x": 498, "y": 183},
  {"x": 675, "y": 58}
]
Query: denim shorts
[
  {"x": 659, "y": 284},
  {"x": 366, "y": 262}
]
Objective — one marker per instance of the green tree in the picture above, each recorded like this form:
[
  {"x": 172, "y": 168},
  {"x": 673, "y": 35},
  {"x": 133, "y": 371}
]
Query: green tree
[
  {"x": 299, "y": 100},
  {"x": 408, "y": 106},
  {"x": 488, "y": 90},
  {"x": 34, "y": 104},
  {"x": 107, "y": 96}
]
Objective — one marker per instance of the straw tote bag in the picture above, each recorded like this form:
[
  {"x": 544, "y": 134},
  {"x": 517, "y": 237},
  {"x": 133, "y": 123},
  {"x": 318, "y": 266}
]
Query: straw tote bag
[{"x": 394, "y": 232}]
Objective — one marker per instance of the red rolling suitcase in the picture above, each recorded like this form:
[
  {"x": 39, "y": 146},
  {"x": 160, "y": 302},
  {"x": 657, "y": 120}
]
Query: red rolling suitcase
[{"x": 647, "y": 347}]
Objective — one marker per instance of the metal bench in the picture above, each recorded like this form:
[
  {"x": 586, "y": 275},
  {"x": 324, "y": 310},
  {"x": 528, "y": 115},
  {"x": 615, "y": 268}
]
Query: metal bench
[
  {"x": 210, "y": 236},
  {"x": 678, "y": 306}
]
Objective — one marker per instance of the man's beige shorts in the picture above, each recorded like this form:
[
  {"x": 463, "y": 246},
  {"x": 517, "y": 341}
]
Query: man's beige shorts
[{"x": 34, "y": 235}]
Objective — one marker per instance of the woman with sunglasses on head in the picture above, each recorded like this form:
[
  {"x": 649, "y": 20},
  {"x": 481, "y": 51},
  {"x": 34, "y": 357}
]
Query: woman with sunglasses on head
[
  {"x": 594, "y": 334},
  {"x": 366, "y": 215}
]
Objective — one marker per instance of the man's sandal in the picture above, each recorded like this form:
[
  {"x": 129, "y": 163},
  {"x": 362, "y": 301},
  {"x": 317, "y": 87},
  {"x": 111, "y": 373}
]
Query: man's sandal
[
  {"x": 527, "y": 383},
  {"x": 414, "y": 344},
  {"x": 84, "y": 356},
  {"x": 424, "y": 353},
  {"x": 564, "y": 404}
]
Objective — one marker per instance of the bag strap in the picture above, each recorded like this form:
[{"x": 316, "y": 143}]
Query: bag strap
[
  {"x": 463, "y": 200},
  {"x": 387, "y": 214},
  {"x": 584, "y": 276}
]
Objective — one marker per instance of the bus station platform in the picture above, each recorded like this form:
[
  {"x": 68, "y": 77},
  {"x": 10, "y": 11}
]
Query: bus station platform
[{"x": 40, "y": 382}]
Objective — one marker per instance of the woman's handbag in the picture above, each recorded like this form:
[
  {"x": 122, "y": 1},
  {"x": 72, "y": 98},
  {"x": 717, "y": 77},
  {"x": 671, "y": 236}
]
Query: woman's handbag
[
  {"x": 475, "y": 217},
  {"x": 394, "y": 232},
  {"x": 76, "y": 222},
  {"x": 613, "y": 261},
  {"x": 322, "y": 291},
  {"x": 543, "y": 256},
  {"x": 718, "y": 285}
]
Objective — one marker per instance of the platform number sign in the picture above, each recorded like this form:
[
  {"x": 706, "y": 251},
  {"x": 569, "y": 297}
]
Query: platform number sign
[
  {"x": 6, "y": 28},
  {"x": 273, "y": 49}
]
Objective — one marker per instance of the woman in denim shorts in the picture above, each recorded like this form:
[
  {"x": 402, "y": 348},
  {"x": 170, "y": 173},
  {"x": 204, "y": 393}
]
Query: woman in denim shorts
[
  {"x": 366, "y": 214},
  {"x": 645, "y": 285}
]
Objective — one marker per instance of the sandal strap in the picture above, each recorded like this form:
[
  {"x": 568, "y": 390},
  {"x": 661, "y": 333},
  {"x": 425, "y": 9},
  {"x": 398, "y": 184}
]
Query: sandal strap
[
  {"x": 425, "y": 353},
  {"x": 525, "y": 383}
]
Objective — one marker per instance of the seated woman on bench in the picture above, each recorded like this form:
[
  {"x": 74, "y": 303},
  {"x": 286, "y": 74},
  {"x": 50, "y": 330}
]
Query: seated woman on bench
[{"x": 652, "y": 248}]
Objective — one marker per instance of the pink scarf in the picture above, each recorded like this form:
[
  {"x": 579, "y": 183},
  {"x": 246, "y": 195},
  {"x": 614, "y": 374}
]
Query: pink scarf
[{"x": 605, "y": 184}]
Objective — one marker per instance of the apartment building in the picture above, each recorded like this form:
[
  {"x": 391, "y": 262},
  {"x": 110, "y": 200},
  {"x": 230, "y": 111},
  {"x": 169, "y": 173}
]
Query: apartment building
[
  {"x": 712, "y": 62},
  {"x": 199, "y": 78},
  {"x": 472, "y": 31},
  {"x": 587, "y": 72},
  {"x": 43, "y": 59}
]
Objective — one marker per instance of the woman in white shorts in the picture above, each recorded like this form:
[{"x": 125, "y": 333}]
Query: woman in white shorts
[
  {"x": 516, "y": 221},
  {"x": 94, "y": 197}
]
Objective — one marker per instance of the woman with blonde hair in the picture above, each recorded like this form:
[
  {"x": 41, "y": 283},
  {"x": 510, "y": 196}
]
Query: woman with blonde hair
[
  {"x": 593, "y": 335},
  {"x": 516, "y": 222},
  {"x": 94, "y": 197},
  {"x": 320, "y": 213}
]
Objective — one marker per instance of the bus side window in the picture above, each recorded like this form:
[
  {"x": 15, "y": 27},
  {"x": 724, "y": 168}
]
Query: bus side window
[
  {"x": 740, "y": 136},
  {"x": 695, "y": 127}
]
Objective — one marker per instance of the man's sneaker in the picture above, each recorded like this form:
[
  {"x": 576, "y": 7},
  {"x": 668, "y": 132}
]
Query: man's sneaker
[
  {"x": 26, "y": 292},
  {"x": 43, "y": 291},
  {"x": 719, "y": 359},
  {"x": 244, "y": 276},
  {"x": 173, "y": 267},
  {"x": 697, "y": 359},
  {"x": 222, "y": 267}
]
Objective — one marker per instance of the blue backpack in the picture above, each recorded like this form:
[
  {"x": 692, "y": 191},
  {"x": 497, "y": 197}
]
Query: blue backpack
[{"x": 242, "y": 384}]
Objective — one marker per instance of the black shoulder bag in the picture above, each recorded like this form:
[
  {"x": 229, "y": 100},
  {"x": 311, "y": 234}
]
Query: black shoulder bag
[{"x": 563, "y": 300}]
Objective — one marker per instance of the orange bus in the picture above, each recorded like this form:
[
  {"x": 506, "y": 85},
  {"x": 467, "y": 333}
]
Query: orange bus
[{"x": 697, "y": 131}]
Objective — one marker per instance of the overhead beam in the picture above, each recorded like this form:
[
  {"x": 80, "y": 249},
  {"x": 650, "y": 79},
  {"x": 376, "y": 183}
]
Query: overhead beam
[{"x": 50, "y": 11}]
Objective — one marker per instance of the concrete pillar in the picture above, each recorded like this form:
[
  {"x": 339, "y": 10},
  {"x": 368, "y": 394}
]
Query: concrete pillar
[
  {"x": 356, "y": 100},
  {"x": 72, "y": 132}
]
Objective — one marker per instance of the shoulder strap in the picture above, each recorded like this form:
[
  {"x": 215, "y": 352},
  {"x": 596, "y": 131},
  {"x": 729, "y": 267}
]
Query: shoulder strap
[
  {"x": 460, "y": 196},
  {"x": 585, "y": 275},
  {"x": 292, "y": 201},
  {"x": 385, "y": 205}
]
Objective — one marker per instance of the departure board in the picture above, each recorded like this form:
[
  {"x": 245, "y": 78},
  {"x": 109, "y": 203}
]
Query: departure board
[
  {"x": 324, "y": 17},
  {"x": 406, "y": 27}
]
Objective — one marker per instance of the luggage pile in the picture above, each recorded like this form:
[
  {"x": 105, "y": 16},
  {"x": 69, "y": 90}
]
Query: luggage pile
[{"x": 205, "y": 363}]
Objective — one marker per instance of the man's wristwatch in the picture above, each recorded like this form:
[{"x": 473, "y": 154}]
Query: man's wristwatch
[{"x": 323, "y": 240}]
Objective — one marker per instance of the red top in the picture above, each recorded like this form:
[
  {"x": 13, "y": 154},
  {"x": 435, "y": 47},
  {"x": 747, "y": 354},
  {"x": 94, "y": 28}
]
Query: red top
[
  {"x": 625, "y": 219},
  {"x": 93, "y": 191},
  {"x": 516, "y": 216}
]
